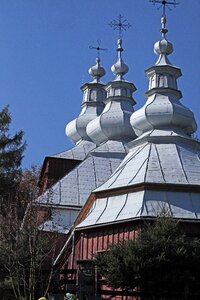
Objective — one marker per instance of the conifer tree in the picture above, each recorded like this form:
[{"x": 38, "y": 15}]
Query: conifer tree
[
  {"x": 162, "y": 263},
  {"x": 26, "y": 252},
  {"x": 11, "y": 154}
]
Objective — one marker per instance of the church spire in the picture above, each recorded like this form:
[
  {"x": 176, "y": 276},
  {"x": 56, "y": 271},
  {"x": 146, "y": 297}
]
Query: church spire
[
  {"x": 163, "y": 109},
  {"x": 164, "y": 4},
  {"x": 97, "y": 71},
  {"x": 114, "y": 122},
  {"x": 92, "y": 105},
  {"x": 163, "y": 48},
  {"x": 119, "y": 68}
]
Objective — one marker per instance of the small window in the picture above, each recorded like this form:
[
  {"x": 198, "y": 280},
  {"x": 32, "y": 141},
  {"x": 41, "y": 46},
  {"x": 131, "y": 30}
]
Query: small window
[{"x": 124, "y": 92}]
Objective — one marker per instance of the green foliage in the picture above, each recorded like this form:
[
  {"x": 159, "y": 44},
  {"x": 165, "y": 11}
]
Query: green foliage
[
  {"x": 11, "y": 154},
  {"x": 162, "y": 261}
]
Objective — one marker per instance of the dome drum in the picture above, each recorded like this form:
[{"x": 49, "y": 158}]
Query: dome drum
[
  {"x": 164, "y": 91},
  {"x": 93, "y": 92},
  {"x": 128, "y": 100},
  {"x": 120, "y": 88},
  {"x": 162, "y": 80},
  {"x": 163, "y": 77},
  {"x": 161, "y": 69}
]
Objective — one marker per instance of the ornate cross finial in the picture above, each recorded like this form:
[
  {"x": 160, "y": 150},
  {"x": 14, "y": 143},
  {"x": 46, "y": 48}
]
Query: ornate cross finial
[
  {"x": 98, "y": 48},
  {"x": 120, "y": 25},
  {"x": 165, "y": 4}
]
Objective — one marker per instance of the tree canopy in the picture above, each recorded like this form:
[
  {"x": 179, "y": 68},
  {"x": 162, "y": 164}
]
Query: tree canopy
[
  {"x": 11, "y": 154},
  {"x": 162, "y": 262},
  {"x": 26, "y": 252}
]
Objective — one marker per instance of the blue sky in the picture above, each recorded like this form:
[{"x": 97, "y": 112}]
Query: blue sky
[{"x": 45, "y": 55}]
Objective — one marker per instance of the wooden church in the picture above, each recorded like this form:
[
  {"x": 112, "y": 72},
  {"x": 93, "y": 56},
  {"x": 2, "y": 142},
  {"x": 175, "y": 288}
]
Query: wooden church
[
  {"x": 100, "y": 134},
  {"x": 161, "y": 169}
]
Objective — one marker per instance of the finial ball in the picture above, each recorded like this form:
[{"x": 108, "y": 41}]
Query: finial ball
[
  {"x": 119, "y": 68},
  {"x": 97, "y": 71},
  {"x": 163, "y": 47}
]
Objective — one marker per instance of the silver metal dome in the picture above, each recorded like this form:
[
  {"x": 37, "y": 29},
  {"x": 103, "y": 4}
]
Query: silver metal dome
[{"x": 94, "y": 95}]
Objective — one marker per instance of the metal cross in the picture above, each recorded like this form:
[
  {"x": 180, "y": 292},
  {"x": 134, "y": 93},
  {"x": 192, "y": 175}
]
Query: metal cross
[
  {"x": 120, "y": 25},
  {"x": 165, "y": 4},
  {"x": 98, "y": 48}
]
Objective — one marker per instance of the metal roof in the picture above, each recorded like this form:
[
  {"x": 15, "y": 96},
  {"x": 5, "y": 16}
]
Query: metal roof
[
  {"x": 60, "y": 221},
  {"x": 160, "y": 161},
  {"x": 164, "y": 152},
  {"x": 75, "y": 187},
  {"x": 142, "y": 204},
  {"x": 79, "y": 151}
]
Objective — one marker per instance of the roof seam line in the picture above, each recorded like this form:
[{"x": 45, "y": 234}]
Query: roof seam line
[
  {"x": 145, "y": 176},
  {"x": 138, "y": 170},
  {"x": 160, "y": 163},
  {"x": 95, "y": 177},
  {"x": 122, "y": 207},
  {"x": 103, "y": 210},
  {"x": 137, "y": 152},
  {"x": 78, "y": 191},
  {"x": 182, "y": 164}
]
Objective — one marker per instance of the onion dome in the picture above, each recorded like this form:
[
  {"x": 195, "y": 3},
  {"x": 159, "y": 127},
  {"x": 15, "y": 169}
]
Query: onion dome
[
  {"x": 114, "y": 121},
  {"x": 119, "y": 68},
  {"x": 163, "y": 109},
  {"x": 163, "y": 48},
  {"x": 94, "y": 95},
  {"x": 97, "y": 71}
]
